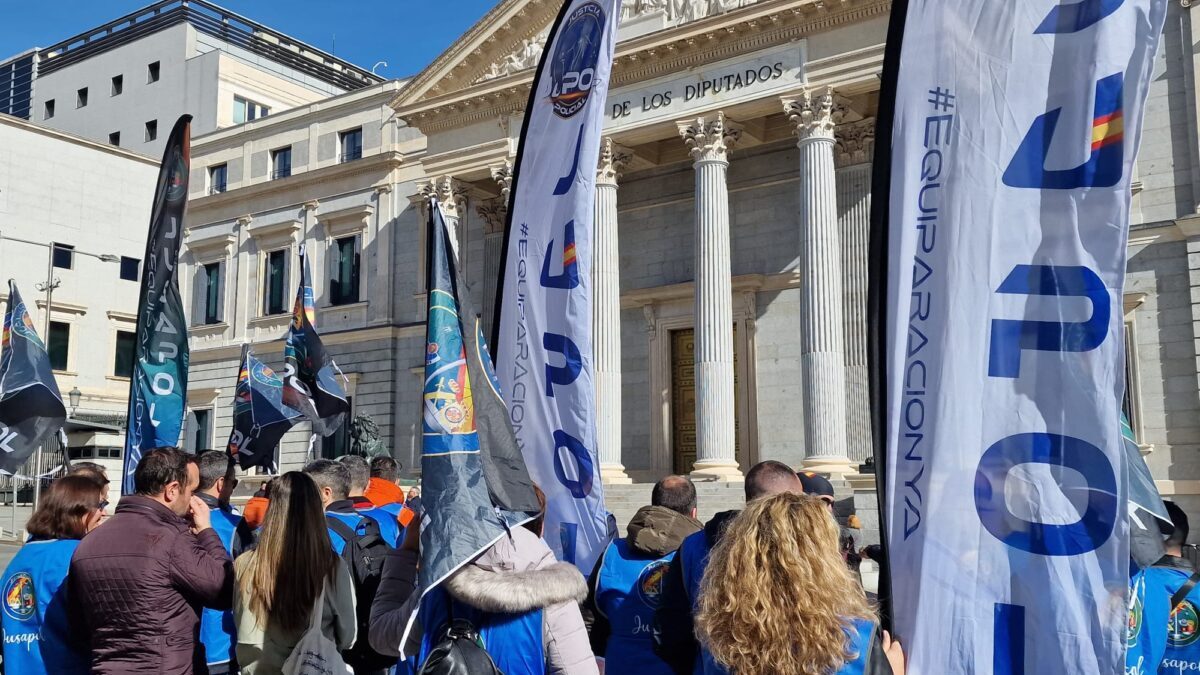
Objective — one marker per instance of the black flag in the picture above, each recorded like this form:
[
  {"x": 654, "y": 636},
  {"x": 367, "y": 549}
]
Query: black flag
[
  {"x": 260, "y": 417},
  {"x": 31, "y": 409},
  {"x": 309, "y": 383}
]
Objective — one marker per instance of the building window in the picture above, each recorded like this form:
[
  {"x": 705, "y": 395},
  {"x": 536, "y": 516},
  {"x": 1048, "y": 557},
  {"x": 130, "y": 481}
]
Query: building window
[
  {"x": 343, "y": 282},
  {"x": 338, "y": 443},
  {"x": 123, "y": 359},
  {"x": 118, "y": 84},
  {"x": 199, "y": 436},
  {"x": 151, "y": 130},
  {"x": 152, "y": 73},
  {"x": 245, "y": 110},
  {"x": 217, "y": 178},
  {"x": 48, "y": 110},
  {"x": 281, "y": 163},
  {"x": 114, "y": 138},
  {"x": 81, "y": 98},
  {"x": 58, "y": 343},
  {"x": 275, "y": 283},
  {"x": 64, "y": 256},
  {"x": 351, "y": 142},
  {"x": 129, "y": 268},
  {"x": 212, "y": 293}
]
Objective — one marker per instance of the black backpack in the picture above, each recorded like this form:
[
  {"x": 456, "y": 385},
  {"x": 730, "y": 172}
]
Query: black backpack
[
  {"x": 364, "y": 554},
  {"x": 459, "y": 652}
]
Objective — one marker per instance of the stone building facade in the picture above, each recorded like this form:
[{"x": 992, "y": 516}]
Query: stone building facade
[{"x": 730, "y": 243}]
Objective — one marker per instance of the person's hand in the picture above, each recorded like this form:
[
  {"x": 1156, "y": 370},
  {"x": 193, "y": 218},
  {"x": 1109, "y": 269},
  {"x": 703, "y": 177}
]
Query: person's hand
[
  {"x": 894, "y": 653},
  {"x": 412, "y": 536},
  {"x": 201, "y": 517}
]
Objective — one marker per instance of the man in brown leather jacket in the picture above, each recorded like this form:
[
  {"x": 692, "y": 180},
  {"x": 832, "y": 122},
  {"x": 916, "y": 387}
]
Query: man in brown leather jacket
[{"x": 137, "y": 583}]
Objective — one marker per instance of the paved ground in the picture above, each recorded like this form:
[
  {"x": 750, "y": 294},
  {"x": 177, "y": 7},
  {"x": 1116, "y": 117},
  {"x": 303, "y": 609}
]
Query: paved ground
[{"x": 8, "y": 549}]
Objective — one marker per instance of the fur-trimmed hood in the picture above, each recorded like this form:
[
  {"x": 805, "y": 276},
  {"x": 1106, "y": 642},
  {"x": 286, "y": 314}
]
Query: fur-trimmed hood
[{"x": 514, "y": 576}]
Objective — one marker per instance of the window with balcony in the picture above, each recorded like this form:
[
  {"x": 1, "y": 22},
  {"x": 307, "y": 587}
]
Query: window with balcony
[
  {"x": 275, "y": 283},
  {"x": 351, "y": 144},
  {"x": 281, "y": 163},
  {"x": 343, "y": 281},
  {"x": 217, "y": 178}
]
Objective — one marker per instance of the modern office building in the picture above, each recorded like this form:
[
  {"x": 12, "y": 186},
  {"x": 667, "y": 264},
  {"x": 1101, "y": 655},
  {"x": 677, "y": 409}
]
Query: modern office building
[{"x": 126, "y": 82}]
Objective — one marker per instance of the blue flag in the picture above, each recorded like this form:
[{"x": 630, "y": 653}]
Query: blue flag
[
  {"x": 260, "y": 417},
  {"x": 158, "y": 385},
  {"x": 31, "y": 409},
  {"x": 309, "y": 383}
]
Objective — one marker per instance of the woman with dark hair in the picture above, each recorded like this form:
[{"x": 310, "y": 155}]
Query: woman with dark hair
[
  {"x": 36, "y": 634},
  {"x": 279, "y": 581}
]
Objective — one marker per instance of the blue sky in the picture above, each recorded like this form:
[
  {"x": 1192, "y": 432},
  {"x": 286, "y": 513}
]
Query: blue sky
[{"x": 408, "y": 34}]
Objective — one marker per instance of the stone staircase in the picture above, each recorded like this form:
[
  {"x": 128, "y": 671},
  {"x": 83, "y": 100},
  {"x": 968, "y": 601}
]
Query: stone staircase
[{"x": 711, "y": 497}]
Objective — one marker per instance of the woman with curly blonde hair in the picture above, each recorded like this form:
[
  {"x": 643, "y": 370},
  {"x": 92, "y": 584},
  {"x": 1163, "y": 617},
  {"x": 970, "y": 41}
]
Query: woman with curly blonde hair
[{"x": 777, "y": 599}]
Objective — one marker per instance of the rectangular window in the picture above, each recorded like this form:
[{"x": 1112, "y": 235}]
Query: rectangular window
[
  {"x": 338, "y": 443},
  {"x": 281, "y": 163},
  {"x": 64, "y": 256},
  {"x": 123, "y": 359},
  {"x": 81, "y": 98},
  {"x": 48, "y": 110},
  {"x": 343, "y": 282},
  {"x": 212, "y": 293},
  {"x": 351, "y": 142},
  {"x": 129, "y": 268},
  {"x": 118, "y": 84},
  {"x": 152, "y": 72},
  {"x": 115, "y": 138},
  {"x": 275, "y": 283},
  {"x": 245, "y": 110},
  {"x": 151, "y": 130},
  {"x": 58, "y": 343},
  {"x": 217, "y": 178},
  {"x": 200, "y": 436}
]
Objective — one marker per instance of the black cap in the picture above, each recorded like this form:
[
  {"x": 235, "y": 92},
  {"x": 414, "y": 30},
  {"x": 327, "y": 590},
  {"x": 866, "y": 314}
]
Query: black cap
[{"x": 815, "y": 484}]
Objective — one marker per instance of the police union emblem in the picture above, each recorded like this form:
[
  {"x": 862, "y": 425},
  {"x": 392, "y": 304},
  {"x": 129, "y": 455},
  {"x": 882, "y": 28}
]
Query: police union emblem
[
  {"x": 573, "y": 64},
  {"x": 1184, "y": 627},
  {"x": 19, "y": 601},
  {"x": 177, "y": 178},
  {"x": 1134, "y": 622},
  {"x": 650, "y": 582}
]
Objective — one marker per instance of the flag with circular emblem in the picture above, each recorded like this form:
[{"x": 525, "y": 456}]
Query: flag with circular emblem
[{"x": 31, "y": 408}]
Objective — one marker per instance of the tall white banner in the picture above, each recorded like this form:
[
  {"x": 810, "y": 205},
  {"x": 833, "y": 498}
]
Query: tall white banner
[
  {"x": 544, "y": 339},
  {"x": 1015, "y": 131}
]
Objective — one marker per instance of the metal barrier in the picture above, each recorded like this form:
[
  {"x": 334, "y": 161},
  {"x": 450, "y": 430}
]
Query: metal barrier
[{"x": 19, "y": 492}]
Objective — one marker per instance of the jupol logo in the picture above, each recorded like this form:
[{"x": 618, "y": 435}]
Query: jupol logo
[
  {"x": 177, "y": 178},
  {"x": 573, "y": 64},
  {"x": 1184, "y": 628},
  {"x": 1134, "y": 623},
  {"x": 650, "y": 583},
  {"x": 19, "y": 600}
]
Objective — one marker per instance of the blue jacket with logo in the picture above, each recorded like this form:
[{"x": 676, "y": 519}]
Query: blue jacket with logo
[
  {"x": 36, "y": 633},
  {"x": 344, "y": 511},
  {"x": 218, "y": 633},
  {"x": 1158, "y": 640},
  {"x": 627, "y": 586},
  {"x": 384, "y": 517},
  {"x": 516, "y": 639}
]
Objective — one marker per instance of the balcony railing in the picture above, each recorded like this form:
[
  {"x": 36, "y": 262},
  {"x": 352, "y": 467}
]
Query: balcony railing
[
  {"x": 350, "y": 155},
  {"x": 282, "y": 172},
  {"x": 216, "y": 189}
]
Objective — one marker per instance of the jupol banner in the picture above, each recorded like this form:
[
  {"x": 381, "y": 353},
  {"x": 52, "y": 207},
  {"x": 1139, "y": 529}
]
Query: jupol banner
[
  {"x": 260, "y": 417},
  {"x": 544, "y": 326},
  {"x": 31, "y": 408},
  {"x": 1015, "y": 129}
]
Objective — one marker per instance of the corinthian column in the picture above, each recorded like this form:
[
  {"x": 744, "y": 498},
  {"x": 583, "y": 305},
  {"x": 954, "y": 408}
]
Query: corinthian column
[
  {"x": 452, "y": 195},
  {"x": 709, "y": 139},
  {"x": 822, "y": 343},
  {"x": 495, "y": 214},
  {"x": 606, "y": 308}
]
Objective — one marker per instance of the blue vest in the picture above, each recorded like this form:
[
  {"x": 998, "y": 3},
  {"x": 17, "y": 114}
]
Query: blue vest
[
  {"x": 389, "y": 527},
  {"x": 514, "y": 641},
  {"x": 1157, "y": 641},
  {"x": 693, "y": 557},
  {"x": 35, "y": 612},
  {"x": 860, "y": 638},
  {"x": 217, "y": 629},
  {"x": 628, "y": 589},
  {"x": 352, "y": 520}
]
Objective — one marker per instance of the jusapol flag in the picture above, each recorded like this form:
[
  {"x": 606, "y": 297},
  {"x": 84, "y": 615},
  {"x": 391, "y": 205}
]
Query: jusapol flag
[
  {"x": 1003, "y": 238},
  {"x": 31, "y": 409},
  {"x": 260, "y": 417},
  {"x": 544, "y": 326},
  {"x": 309, "y": 383}
]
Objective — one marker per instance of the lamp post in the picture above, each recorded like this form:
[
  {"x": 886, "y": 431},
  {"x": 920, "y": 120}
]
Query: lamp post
[{"x": 48, "y": 287}]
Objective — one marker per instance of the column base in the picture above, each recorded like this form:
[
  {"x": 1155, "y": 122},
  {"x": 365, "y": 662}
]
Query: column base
[
  {"x": 717, "y": 471},
  {"x": 830, "y": 466},
  {"x": 614, "y": 474}
]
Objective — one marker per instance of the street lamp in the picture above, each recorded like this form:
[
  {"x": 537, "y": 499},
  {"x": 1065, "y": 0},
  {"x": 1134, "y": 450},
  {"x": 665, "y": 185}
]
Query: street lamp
[{"x": 74, "y": 395}]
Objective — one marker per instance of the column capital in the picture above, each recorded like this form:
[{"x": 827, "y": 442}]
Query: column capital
[
  {"x": 710, "y": 137},
  {"x": 502, "y": 174},
  {"x": 311, "y": 205},
  {"x": 855, "y": 142},
  {"x": 494, "y": 213},
  {"x": 450, "y": 193},
  {"x": 814, "y": 112},
  {"x": 383, "y": 189},
  {"x": 613, "y": 160},
  {"x": 244, "y": 221}
]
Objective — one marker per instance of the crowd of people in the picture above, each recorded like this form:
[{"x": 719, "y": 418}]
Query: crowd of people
[{"x": 178, "y": 581}]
